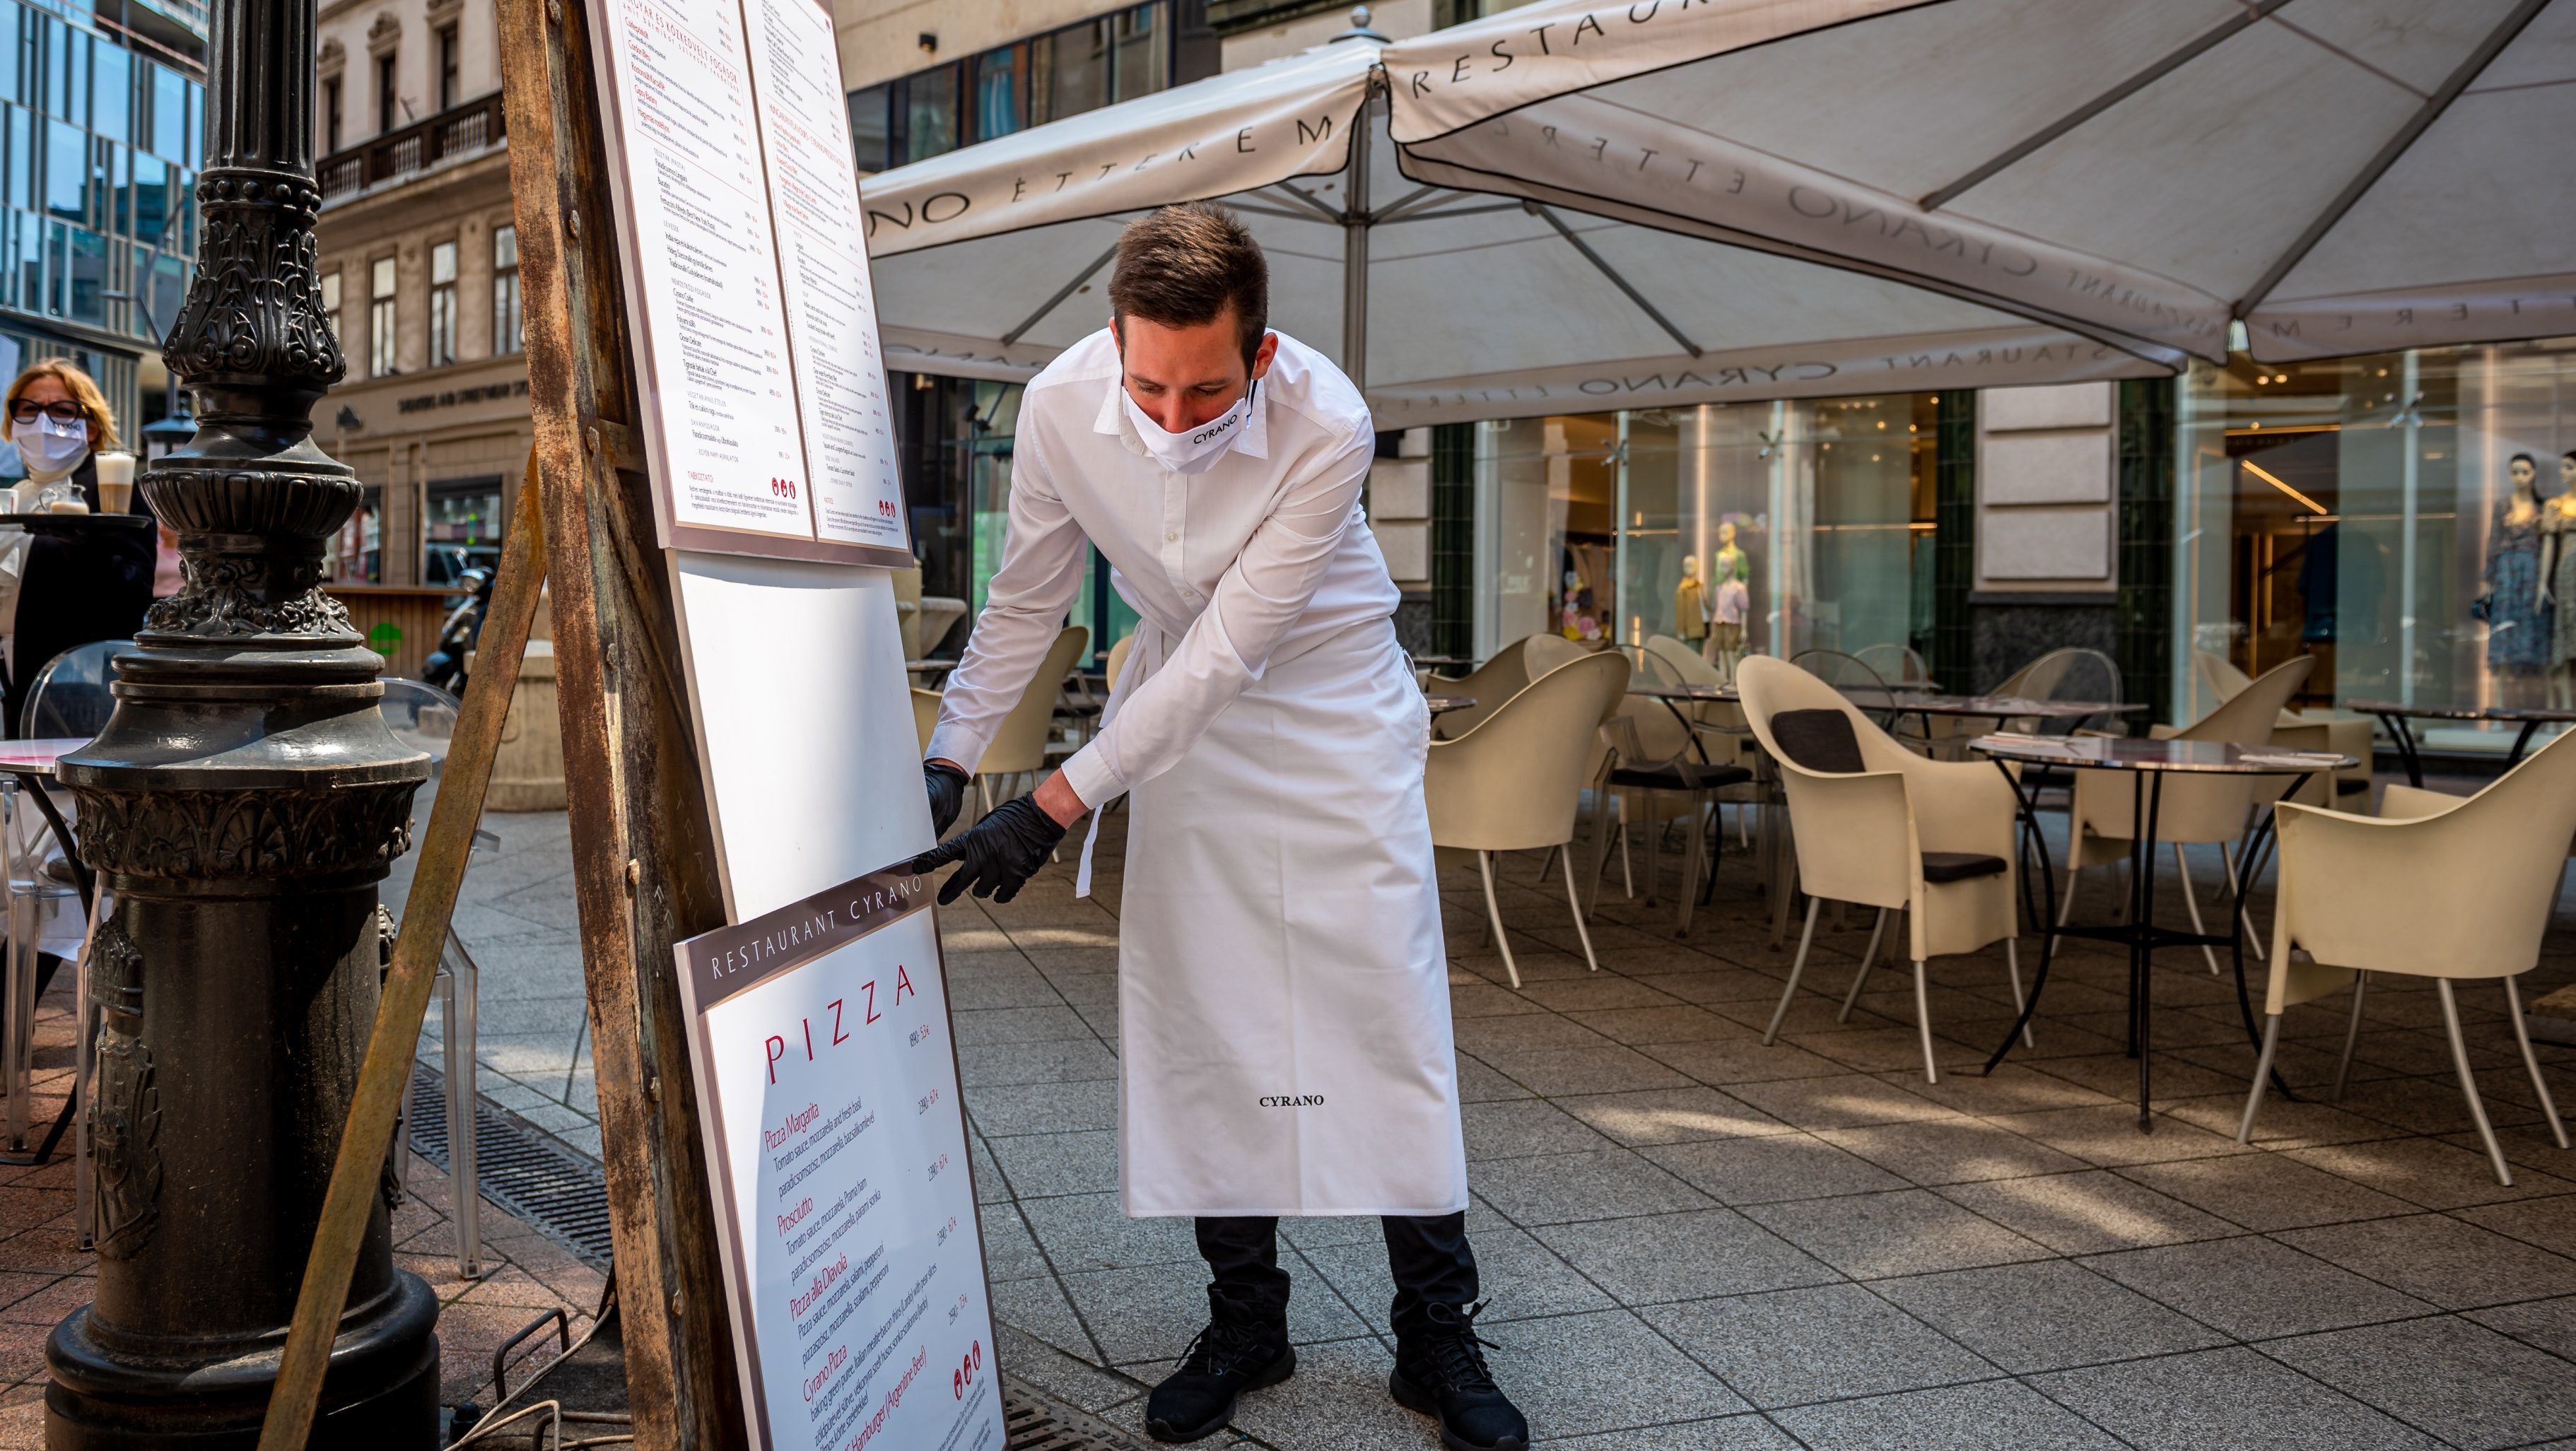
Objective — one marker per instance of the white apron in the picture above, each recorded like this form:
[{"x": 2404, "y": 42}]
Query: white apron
[{"x": 1283, "y": 991}]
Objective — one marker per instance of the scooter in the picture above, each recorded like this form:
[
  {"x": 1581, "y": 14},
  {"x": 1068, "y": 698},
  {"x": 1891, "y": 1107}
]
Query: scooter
[{"x": 445, "y": 667}]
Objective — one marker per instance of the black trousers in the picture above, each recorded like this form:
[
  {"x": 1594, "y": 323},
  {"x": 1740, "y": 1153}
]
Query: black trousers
[{"x": 1428, "y": 1255}]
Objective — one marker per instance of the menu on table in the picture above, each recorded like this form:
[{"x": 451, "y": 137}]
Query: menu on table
[
  {"x": 854, "y": 1264},
  {"x": 746, "y": 280}
]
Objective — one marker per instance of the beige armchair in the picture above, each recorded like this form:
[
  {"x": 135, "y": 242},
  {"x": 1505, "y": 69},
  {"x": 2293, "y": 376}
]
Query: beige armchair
[
  {"x": 1019, "y": 746},
  {"x": 2192, "y": 810},
  {"x": 1661, "y": 757},
  {"x": 2462, "y": 891},
  {"x": 2306, "y": 730},
  {"x": 1879, "y": 826},
  {"x": 925, "y": 713},
  {"x": 1118, "y": 654},
  {"x": 1515, "y": 781},
  {"x": 1543, "y": 653},
  {"x": 1497, "y": 680}
]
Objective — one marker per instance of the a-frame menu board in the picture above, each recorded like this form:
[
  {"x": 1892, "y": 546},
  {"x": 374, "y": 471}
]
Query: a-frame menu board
[{"x": 747, "y": 281}]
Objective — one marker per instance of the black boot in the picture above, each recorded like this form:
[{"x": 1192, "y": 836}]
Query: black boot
[
  {"x": 1234, "y": 1354},
  {"x": 1441, "y": 1372}
]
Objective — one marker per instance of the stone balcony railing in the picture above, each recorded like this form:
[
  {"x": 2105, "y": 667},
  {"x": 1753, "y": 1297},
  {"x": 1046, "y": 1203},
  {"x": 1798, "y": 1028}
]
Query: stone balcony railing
[{"x": 456, "y": 131}]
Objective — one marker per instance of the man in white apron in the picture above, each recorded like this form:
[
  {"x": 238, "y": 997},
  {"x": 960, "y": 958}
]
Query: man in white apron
[{"x": 1284, "y": 1042}]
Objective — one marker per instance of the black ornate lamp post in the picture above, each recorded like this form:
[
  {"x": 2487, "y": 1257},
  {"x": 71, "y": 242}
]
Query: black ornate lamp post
[{"x": 242, "y": 804}]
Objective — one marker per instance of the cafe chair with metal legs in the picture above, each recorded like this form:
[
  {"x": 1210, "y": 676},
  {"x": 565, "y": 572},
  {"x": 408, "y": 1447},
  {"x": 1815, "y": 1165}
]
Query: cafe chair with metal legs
[
  {"x": 1515, "y": 782},
  {"x": 423, "y": 717},
  {"x": 1880, "y": 826},
  {"x": 2347, "y": 789},
  {"x": 1665, "y": 760},
  {"x": 1020, "y": 741},
  {"x": 1489, "y": 685},
  {"x": 925, "y": 714},
  {"x": 67, "y": 699},
  {"x": 2460, "y": 893},
  {"x": 2192, "y": 810}
]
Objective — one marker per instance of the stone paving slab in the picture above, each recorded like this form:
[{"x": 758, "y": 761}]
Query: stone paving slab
[
  {"x": 1693, "y": 1240},
  {"x": 44, "y": 1275},
  {"x": 1805, "y": 1244}
]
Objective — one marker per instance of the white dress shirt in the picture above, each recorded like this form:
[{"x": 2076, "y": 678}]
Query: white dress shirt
[{"x": 1255, "y": 558}]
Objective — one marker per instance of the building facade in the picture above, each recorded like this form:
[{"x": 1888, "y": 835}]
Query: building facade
[
  {"x": 101, "y": 119},
  {"x": 419, "y": 269}
]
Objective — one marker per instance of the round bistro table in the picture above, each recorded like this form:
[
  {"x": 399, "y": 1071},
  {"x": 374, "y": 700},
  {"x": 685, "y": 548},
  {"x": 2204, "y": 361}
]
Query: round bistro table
[
  {"x": 2148, "y": 763},
  {"x": 2395, "y": 714}
]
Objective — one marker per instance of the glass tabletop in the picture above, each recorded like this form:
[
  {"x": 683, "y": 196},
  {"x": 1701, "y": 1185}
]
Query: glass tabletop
[
  {"x": 37, "y": 757},
  {"x": 1659, "y": 690},
  {"x": 2007, "y": 706},
  {"x": 2130, "y": 753},
  {"x": 2514, "y": 713},
  {"x": 1443, "y": 703}
]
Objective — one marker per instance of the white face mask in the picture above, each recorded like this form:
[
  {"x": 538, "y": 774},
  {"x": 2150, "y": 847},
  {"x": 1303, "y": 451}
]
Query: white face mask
[
  {"x": 47, "y": 447},
  {"x": 1189, "y": 451}
]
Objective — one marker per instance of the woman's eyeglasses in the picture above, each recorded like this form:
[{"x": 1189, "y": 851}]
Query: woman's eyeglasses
[{"x": 25, "y": 410}]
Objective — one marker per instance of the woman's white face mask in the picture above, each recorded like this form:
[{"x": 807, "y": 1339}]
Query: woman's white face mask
[
  {"x": 1194, "y": 449},
  {"x": 48, "y": 447}
]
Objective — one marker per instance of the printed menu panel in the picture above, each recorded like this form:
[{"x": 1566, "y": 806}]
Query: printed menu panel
[
  {"x": 823, "y": 273},
  {"x": 827, "y": 1084},
  {"x": 764, "y": 393}
]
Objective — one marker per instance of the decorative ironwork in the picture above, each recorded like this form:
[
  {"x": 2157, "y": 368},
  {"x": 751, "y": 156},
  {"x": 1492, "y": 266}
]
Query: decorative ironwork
[
  {"x": 127, "y": 1126},
  {"x": 256, "y": 310},
  {"x": 269, "y": 835}
]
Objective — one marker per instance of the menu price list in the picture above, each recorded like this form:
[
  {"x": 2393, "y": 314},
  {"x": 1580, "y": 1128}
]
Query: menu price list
[
  {"x": 831, "y": 308},
  {"x": 854, "y": 1228},
  {"x": 705, "y": 267}
]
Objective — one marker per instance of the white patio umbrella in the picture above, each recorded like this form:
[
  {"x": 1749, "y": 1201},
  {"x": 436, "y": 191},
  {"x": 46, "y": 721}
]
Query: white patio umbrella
[
  {"x": 1450, "y": 299},
  {"x": 2341, "y": 176}
]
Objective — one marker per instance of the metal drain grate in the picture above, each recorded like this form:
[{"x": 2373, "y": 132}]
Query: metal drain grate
[
  {"x": 558, "y": 1192},
  {"x": 1036, "y": 1421}
]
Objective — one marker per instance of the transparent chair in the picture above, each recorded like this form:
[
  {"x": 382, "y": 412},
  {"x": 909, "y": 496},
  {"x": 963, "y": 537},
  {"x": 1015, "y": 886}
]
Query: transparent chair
[
  {"x": 423, "y": 717},
  {"x": 1896, "y": 664},
  {"x": 1862, "y": 685},
  {"x": 1019, "y": 744},
  {"x": 68, "y": 699},
  {"x": 2069, "y": 674}
]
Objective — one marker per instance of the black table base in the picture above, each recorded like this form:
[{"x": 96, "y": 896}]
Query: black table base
[{"x": 2139, "y": 933}]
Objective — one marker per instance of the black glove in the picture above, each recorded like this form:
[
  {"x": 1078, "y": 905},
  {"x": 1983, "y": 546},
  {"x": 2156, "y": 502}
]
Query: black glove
[
  {"x": 998, "y": 854},
  {"x": 947, "y": 787}
]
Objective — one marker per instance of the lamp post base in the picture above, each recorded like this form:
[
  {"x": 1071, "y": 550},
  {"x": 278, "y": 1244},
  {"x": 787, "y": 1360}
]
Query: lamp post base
[{"x": 381, "y": 1393}]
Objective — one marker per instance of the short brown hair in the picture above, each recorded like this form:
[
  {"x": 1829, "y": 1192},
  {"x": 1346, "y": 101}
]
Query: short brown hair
[
  {"x": 1183, "y": 266},
  {"x": 84, "y": 390}
]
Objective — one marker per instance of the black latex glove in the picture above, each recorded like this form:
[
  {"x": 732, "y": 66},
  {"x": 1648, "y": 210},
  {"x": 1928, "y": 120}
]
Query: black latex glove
[
  {"x": 996, "y": 855},
  {"x": 947, "y": 787}
]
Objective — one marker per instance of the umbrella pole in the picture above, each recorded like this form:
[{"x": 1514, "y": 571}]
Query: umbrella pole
[{"x": 1355, "y": 243}]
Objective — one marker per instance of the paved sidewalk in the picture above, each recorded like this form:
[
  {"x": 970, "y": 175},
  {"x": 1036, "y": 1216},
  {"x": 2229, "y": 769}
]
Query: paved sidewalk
[
  {"x": 1692, "y": 1241},
  {"x": 44, "y": 1275},
  {"x": 515, "y": 913}
]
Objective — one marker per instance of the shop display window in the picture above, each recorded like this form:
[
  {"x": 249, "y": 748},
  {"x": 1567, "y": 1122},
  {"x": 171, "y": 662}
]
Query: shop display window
[
  {"x": 2407, "y": 518},
  {"x": 1804, "y": 525}
]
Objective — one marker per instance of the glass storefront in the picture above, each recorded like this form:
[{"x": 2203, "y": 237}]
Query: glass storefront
[
  {"x": 2407, "y": 518},
  {"x": 1126, "y": 53},
  {"x": 954, "y": 435},
  {"x": 463, "y": 530},
  {"x": 1806, "y": 525}
]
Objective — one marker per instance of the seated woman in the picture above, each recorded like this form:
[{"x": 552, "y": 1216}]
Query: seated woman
[{"x": 57, "y": 593}]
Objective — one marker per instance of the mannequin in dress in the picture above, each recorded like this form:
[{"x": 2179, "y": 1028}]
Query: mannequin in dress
[
  {"x": 1729, "y": 571},
  {"x": 2515, "y": 604},
  {"x": 2558, "y": 582},
  {"x": 1690, "y": 606}
]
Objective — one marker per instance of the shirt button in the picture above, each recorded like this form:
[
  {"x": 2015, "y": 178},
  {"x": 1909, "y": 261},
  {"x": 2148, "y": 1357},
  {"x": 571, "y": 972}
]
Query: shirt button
[{"x": 1171, "y": 537}]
